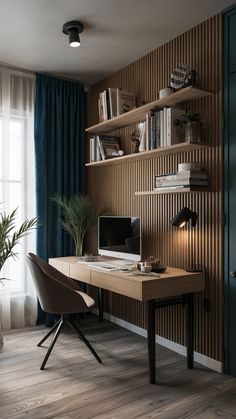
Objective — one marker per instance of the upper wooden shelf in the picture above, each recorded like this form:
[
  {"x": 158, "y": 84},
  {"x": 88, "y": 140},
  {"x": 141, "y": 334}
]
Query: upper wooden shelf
[
  {"x": 173, "y": 149},
  {"x": 138, "y": 114}
]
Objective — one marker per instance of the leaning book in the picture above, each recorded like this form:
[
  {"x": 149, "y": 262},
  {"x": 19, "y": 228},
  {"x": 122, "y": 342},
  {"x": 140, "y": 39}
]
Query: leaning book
[{"x": 125, "y": 101}]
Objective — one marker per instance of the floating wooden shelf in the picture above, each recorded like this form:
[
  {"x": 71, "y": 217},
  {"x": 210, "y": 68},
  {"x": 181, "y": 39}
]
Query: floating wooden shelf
[
  {"x": 139, "y": 114},
  {"x": 168, "y": 191},
  {"x": 176, "y": 148}
]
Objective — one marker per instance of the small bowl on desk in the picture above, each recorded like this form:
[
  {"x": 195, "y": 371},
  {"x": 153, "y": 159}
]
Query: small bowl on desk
[
  {"x": 145, "y": 267},
  {"x": 159, "y": 269}
]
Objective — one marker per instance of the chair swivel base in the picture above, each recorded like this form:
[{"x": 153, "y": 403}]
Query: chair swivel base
[{"x": 58, "y": 326}]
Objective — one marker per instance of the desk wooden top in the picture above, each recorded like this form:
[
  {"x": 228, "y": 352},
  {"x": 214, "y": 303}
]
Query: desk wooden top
[{"x": 171, "y": 283}]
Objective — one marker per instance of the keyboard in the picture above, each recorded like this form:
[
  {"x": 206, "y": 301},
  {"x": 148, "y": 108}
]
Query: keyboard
[{"x": 104, "y": 266}]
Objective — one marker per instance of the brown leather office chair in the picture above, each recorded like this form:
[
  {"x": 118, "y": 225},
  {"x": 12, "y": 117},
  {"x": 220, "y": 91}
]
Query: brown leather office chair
[{"x": 59, "y": 294}]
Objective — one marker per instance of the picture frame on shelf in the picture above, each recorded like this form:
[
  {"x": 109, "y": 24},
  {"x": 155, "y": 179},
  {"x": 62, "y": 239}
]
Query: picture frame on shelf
[
  {"x": 110, "y": 150},
  {"x": 109, "y": 146}
]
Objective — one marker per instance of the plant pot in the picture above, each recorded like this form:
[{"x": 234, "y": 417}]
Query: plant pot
[{"x": 193, "y": 132}]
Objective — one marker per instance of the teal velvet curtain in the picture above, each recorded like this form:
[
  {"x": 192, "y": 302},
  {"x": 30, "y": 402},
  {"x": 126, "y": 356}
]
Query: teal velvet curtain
[{"x": 59, "y": 152}]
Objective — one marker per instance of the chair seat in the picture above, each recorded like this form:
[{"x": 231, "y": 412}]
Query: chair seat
[{"x": 87, "y": 299}]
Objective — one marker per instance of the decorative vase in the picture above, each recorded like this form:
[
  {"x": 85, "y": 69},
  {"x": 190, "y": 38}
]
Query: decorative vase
[
  {"x": 193, "y": 132},
  {"x": 79, "y": 248}
]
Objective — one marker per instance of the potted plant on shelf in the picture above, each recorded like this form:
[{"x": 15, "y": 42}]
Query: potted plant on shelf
[
  {"x": 78, "y": 215},
  {"x": 9, "y": 238},
  {"x": 192, "y": 126}
]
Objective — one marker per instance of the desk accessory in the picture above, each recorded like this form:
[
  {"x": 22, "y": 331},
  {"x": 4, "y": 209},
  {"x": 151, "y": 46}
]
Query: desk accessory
[{"x": 179, "y": 221}]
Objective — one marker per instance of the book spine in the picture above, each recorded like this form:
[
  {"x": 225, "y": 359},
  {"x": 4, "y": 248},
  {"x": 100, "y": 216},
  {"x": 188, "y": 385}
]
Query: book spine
[
  {"x": 112, "y": 101},
  {"x": 101, "y": 106},
  {"x": 147, "y": 131},
  {"x": 162, "y": 128},
  {"x": 108, "y": 105},
  {"x": 168, "y": 126},
  {"x": 92, "y": 149},
  {"x": 165, "y": 127},
  {"x": 188, "y": 166},
  {"x": 192, "y": 177},
  {"x": 100, "y": 148},
  {"x": 152, "y": 132},
  {"x": 182, "y": 183},
  {"x": 158, "y": 139},
  {"x": 191, "y": 173},
  {"x": 98, "y": 153},
  {"x": 104, "y": 105}
]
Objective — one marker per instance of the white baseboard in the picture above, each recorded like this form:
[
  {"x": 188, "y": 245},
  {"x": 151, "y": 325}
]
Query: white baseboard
[{"x": 173, "y": 346}]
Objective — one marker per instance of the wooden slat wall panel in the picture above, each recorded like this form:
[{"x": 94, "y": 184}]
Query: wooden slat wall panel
[{"x": 114, "y": 186}]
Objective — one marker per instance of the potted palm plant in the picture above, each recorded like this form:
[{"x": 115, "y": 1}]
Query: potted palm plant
[
  {"x": 9, "y": 238},
  {"x": 78, "y": 215}
]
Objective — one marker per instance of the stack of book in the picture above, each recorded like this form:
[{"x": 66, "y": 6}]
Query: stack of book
[
  {"x": 104, "y": 147},
  {"x": 189, "y": 178},
  {"x": 114, "y": 102},
  {"x": 160, "y": 129}
]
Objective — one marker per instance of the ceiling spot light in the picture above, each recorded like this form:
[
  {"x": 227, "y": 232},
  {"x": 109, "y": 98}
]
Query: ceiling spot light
[{"x": 73, "y": 29}]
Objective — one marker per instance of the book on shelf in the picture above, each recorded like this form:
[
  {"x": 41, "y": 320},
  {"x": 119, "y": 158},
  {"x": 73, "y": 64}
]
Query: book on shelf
[
  {"x": 164, "y": 127},
  {"x": 157, "y": 124},
  {"x": 172, "y": 135},
  {"x": 182, "y": 187},
  {"x": 125, "y": 101},
  {"x": 95, "y": 154},
  {"x": 113, "y": 102},
  {"x": 161, "y": 128},
  {"x": 187, "y": 178},
  {"x": 109, "y": 146},
  {"x": 177, "y": 182}
]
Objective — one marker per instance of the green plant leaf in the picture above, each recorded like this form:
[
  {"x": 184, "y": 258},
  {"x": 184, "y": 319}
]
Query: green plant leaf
[
  {"x": 10, "y": 237},
  {"x": 77, "y": 215}
]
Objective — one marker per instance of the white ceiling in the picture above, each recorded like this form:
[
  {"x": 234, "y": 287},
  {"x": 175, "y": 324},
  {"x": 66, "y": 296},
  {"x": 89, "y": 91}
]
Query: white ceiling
[{"x": 116, "y": 33}]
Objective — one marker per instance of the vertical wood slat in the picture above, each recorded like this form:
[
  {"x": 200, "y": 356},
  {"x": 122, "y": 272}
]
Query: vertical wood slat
[{"x": 114, "y": 186}]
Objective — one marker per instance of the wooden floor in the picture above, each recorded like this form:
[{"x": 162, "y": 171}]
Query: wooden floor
[{"x": 74, "y": 385}]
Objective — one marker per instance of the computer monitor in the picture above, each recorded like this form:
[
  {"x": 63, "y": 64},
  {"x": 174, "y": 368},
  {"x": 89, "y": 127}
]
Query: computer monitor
[{"x": 120, "y": 237}]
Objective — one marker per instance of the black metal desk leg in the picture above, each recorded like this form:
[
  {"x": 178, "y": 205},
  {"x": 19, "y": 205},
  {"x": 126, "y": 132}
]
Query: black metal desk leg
[
  {"x": 151, "y": 341},
  {"x": 190, "y": 330},
  {"x": 100, "y": 304}
]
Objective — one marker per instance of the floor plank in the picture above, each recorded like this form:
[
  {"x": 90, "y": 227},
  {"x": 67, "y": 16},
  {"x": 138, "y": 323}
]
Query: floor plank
[{"x": 75, "y": 386}]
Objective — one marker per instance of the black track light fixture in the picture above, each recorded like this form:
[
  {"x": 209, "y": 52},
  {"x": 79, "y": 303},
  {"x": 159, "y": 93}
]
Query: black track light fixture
[
  {"x": 183, "y": 216},
  {"x": 73, "y": 29},
  {"x": 180, "y": 220}
]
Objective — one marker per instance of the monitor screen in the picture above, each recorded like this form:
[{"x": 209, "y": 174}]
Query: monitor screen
[{"x": 119, "y": 237}]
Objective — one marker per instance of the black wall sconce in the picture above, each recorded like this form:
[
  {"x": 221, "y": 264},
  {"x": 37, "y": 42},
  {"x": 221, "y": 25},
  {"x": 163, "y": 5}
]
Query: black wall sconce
[
  {"x": 181, "y": 218},
  {"x": 73, "y": 29}
]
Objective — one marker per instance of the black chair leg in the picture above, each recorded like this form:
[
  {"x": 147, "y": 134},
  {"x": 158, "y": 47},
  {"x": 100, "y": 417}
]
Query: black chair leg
[
  {"x": 83, "y": 338},
  {"x": 49, "y": 333},
  {"x": 52, "y": 344}
]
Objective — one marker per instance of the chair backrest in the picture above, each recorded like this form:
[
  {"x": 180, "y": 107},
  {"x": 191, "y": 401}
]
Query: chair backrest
[{"x": 55, "y": 294}]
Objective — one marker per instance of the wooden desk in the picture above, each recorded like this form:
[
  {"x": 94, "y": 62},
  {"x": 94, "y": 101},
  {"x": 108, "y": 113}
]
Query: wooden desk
[{"x": 175, "y": 283}]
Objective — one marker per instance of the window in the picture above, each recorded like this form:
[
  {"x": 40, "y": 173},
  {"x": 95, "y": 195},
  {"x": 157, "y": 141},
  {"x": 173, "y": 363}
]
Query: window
[{"x": 17, "y": 189}]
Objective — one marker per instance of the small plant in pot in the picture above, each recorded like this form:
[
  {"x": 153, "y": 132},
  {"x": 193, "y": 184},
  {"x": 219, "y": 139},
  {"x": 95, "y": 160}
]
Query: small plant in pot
[{"x": 192, "y": 126}]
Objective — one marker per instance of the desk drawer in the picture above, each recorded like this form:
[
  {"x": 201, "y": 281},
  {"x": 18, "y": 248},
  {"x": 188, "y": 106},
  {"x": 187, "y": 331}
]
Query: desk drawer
[
  {"x": 115, "y": 282},
  {"x": 80, "y": 272}
]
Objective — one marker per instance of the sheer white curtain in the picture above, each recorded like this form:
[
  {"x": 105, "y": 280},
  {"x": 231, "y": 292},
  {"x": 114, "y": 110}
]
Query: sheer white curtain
[{"x": 18, "y": 304}]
